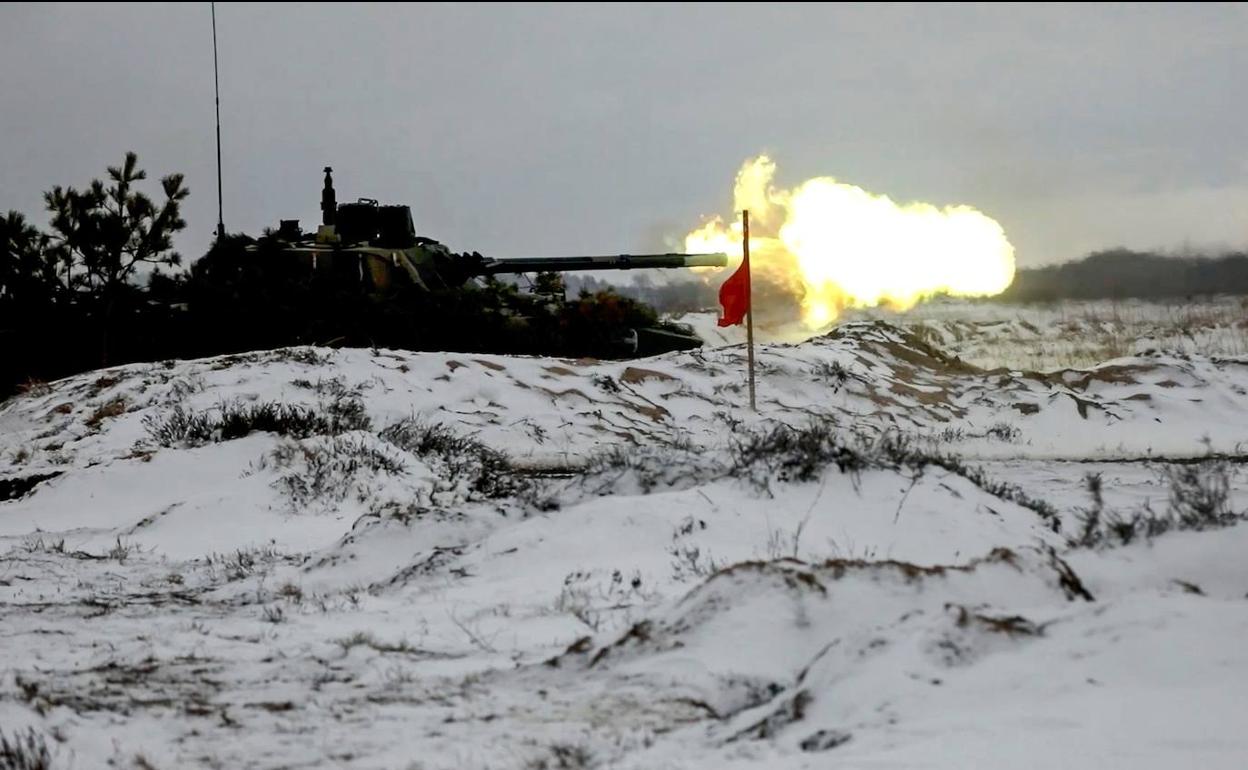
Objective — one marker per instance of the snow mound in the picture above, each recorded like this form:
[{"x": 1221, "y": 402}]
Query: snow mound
[{"x": 368, "y": 558}]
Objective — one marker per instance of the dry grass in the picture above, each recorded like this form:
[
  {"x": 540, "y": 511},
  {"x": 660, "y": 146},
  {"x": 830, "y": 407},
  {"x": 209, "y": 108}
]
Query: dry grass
[{"x": 1075, "y": 334}]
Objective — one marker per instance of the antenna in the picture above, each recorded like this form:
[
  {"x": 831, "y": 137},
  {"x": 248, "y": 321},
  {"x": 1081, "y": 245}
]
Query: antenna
[{"x": 216, "y": 80}]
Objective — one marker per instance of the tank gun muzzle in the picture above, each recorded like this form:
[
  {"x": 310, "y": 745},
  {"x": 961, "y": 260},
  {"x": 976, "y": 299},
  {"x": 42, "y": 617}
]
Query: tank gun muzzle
[{"x": 616, "y": 262}]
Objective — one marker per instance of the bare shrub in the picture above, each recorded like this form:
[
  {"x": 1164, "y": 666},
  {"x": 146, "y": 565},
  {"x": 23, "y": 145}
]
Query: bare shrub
[
  {"x": 1200, "y": 494},
  {"x": 106, "y": 411},
  {"x": 242, "y": 563},
  {"x": 486, "y": 472},
  {"x": 562, "y": 756},
  {"x": 39, "y": 545},
  {"x": 801, "y": 454},
  {"x": 689, "y": 561},
  {"x": 590, "y": 600},
  {"x": 644, "y": 469},
  {"x": 24, "y": 750},
  {"x": 784, "y": 453},
  {"x": 832, "y": 373},
  {"x": 232, "y": 420},
  {"x": 1003, "y": 431},
  {"x": 1199, "y": 499},
  {"x": 121, "y": 551},
  {"x": 307, "y": 356},
  {"x": 328, "y": 470},
  {"x": 792, "y": 454}
]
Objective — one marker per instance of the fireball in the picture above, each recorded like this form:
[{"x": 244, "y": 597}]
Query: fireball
[{"x": 828, "y": 245}]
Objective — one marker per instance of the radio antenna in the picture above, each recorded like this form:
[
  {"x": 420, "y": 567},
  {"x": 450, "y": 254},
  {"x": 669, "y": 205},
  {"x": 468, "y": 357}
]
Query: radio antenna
[{"x": 216, "y": 79}]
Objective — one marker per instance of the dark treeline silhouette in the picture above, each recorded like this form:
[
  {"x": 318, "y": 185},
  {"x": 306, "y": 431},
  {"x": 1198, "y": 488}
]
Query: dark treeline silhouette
[
  {"x": 68, "y": 296},
  {"x": 71, "y": 299},
  {"x": 1123, "y": 273},
  {"x": 681, "y": 295}
]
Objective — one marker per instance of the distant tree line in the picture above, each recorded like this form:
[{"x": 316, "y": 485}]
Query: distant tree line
[
  {"x": 98, "y": 287},
  {"x": 1122, "y": 273}
]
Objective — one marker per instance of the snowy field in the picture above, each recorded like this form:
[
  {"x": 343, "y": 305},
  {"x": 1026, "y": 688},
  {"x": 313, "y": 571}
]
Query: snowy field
[
  {"x": 1043, "y": 337},
  {"x": 958, "y": 538}
]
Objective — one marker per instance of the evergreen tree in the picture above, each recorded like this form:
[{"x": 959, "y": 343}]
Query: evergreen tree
[
  {"x": 106, "y": 232},
  {"x": 29, "y": 275}
]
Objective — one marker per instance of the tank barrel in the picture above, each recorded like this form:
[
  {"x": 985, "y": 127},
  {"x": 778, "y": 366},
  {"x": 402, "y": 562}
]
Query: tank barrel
[{"x": 616, "y": 262}]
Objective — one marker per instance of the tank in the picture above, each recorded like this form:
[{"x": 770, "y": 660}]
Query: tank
[{"x": 377, "y": 245}]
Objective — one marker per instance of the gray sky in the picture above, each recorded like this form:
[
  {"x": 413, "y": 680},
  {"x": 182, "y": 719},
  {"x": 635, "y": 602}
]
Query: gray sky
[{"x": 526, "y": 130}]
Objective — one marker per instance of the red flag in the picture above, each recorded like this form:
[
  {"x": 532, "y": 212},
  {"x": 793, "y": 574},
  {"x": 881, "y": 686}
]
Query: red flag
[{"x": 734, "y": 295}]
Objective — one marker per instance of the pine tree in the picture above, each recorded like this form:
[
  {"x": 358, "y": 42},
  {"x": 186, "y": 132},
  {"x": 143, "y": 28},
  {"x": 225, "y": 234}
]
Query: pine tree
[
  {"x": 29, "y": 275},
  {"x": 109, "y": 230}
]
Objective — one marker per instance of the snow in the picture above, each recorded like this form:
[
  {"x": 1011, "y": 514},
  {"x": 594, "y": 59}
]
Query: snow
[{"x": 665, "y": 606}]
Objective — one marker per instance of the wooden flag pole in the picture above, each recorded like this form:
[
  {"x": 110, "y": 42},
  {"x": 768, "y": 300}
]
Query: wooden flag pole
[{"x": 749, "y": 303}]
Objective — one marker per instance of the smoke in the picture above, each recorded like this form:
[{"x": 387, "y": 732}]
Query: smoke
[{"x": 825, "y": 246}]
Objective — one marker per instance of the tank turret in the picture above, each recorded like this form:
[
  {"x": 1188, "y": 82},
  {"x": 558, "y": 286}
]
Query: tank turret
[{"x": 378, "y": 245}]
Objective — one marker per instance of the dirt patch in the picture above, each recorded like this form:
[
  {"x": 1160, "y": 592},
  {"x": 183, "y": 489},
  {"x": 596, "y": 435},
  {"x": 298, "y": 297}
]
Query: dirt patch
[
  {"x": 1082, "y": 405},
  {"x": 13, "y": 488},
  {"x": 558, "y": 394},
  {"x": 907, "y": 346},
  {"x": 1010, "y": 625},
  {"x": 1110, "y": 375},
  {"x": 824, "y": 740},
  {"x": 795, "y": 574},
  {"x": 930, "y": 398},
  {"x": 559, "y": 370},
  {"x": 633, "y": 375},
  {"x": 789, "y": 711},
  {"x": 1067, "y": 579},
  {"x": 490, "y": 365},
  {"x": 103, "y": 383},
  {"x": 840, "y": 567},
  {"x": 1190, "y": 588},
  {"x": 654, "y": 412},
  {"x": 919, "y": 353},
  {"x": 112, "y": 409}
]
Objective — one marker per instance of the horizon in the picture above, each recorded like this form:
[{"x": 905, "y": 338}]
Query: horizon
[{"x": 585, "y": 142}]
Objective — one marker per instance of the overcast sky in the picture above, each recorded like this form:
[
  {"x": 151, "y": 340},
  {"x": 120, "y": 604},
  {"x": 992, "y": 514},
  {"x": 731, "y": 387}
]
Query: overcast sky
[{"x": 518, "y": 130}]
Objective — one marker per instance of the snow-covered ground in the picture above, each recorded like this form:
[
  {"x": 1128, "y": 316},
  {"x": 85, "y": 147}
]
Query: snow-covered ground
[
  {"x": 319, "y": 558},
  {"x": 1044, "y": 337}
]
